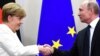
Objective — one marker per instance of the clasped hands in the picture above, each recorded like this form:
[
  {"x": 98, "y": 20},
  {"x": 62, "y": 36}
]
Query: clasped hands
[{"x": 46, "y": 49}]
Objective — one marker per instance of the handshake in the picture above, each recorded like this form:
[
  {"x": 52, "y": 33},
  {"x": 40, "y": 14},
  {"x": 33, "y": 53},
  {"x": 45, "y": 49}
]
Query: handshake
[{"x": 46, "y": 49}]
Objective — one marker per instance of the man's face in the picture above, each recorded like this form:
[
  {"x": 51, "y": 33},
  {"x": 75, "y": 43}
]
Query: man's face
[
  {"x": 15, "y": 22},
  {"x": 84, "y": 13}
]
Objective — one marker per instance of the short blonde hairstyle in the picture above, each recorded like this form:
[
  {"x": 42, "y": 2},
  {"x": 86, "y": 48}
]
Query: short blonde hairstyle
[{"x": 12, "y": 9}]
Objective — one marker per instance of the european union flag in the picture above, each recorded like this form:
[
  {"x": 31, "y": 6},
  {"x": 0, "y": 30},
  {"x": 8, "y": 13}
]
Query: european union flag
[
  {"x": 98, "y": 1},
  {"x": 57, "y": 26}
]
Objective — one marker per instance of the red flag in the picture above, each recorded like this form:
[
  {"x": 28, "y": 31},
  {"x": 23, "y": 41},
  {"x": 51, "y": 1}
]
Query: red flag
[
  {"x": 0, "y": 16},
  {"x": 3, "y": 2}
]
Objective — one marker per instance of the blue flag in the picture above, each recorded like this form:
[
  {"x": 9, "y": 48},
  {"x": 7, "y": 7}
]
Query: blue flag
[
  {"x": 57, "y": 26},
  {"x": 98, "y": 4}
]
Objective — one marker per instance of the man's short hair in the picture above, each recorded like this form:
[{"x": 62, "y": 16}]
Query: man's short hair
[{"x": 93, "y": 5}]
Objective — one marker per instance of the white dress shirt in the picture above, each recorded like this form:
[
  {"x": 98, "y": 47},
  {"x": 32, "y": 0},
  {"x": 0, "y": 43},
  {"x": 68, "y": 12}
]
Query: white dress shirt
[
  {"x": 10, "y": 45},
  {"x": 93, "y": 25}
]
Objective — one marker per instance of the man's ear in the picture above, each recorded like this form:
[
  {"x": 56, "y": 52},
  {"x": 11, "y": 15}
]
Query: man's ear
[
  {"x": 92, "y": 10},
  {"x": 9, "y": 18}
]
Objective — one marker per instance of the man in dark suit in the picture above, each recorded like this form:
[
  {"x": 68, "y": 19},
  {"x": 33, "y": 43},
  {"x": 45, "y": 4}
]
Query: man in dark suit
[{"x": 88, "y": 40}]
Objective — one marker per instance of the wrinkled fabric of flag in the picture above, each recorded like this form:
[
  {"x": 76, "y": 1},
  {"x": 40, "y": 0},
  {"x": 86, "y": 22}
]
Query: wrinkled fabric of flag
[
  {"x": 0, "y": 16},
  {"x": 98, "y": 2},
  {"x": 57, "y": 26}
]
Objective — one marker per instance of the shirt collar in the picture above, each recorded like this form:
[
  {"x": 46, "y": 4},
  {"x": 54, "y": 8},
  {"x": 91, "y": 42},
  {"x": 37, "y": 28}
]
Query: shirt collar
[{"x": 94, "y": 22}]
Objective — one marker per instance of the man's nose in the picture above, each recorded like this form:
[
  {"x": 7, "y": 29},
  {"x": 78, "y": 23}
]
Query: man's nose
[{"x": 78, "y": 14}]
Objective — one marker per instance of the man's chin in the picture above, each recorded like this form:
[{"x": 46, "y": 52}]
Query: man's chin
[
  {"x": 17, "y": 29},
  {"x": 82, "y": 21}
]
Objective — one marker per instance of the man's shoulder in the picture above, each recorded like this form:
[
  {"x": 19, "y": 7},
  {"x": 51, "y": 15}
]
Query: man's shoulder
[{"x": 82, "y": 31}]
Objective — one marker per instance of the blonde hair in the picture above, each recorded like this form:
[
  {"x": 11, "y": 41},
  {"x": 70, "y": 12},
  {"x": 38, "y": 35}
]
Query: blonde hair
[{"x": 12, "y": 9}]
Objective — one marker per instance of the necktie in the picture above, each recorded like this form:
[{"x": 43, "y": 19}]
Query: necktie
[{"x": 86, "y": 41}]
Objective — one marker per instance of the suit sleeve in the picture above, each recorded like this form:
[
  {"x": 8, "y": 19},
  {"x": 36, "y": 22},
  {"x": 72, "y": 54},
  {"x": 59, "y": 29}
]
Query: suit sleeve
[
  {"x": 58, "y": 52},
  {"x": 72, "y": 52}
]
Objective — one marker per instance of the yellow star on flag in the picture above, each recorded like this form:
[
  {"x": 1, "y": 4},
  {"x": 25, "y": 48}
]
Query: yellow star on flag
[
  {"x": 56, "y": 44},
  {"x": 71, "y": 31}
]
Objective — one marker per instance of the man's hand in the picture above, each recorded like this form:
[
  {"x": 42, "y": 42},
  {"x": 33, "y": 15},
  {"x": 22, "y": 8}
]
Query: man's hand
[{"x": 46, "y": 49}]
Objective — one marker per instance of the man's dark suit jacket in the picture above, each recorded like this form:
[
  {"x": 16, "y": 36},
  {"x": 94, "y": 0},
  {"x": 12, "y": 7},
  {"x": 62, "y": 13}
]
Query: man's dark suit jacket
[{"x": 77, "y": 49}]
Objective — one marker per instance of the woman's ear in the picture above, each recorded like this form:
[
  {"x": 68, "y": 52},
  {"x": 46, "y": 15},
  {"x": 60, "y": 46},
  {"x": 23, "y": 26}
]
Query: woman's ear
[{"x": 9, "y": 18}]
